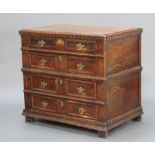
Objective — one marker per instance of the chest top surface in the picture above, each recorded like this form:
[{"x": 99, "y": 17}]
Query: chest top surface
[{"x": 85, "y": 30}]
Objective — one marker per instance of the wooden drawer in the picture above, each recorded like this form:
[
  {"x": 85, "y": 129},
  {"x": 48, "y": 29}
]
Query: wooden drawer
[
  {"x": 43, "y": 83},
  {"x": 50, "y": 104},
  {"x": 64, "y": 86},
  {"x": 40, "y": 60},
  {"x": 85, "y": 46},
  {"x": 82, "y": 89},
  {"x": 71, "y": 64},
  {"x": 64, "y": 44},
  {"x": 81, "y": 46},
  {"x": 82, "y": 110},
  {"x": 68, "y": 107},
  {"x": 81, "y": 65}
]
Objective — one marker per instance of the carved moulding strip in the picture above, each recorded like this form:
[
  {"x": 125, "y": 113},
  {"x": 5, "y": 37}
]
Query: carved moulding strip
[
  {"x": 111, "y": 36},
  {"x": 123, "y": 34},
  {"x": 81, "y": 122}
]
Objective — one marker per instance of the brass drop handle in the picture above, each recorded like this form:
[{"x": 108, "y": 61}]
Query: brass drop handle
[
  {"x": 62, "y": 104},
  {"x": 80, "y": 90},
  {"x": 43, "y": 84},
  {"x": 82, "y": 111},
  {"x": 80, "y": 46},
  {"x": 80, "y": 66},
  {"x": 43, "y": 61},
  {"x": 44, "y": 104},
  {"x": 41, "y": 43}
]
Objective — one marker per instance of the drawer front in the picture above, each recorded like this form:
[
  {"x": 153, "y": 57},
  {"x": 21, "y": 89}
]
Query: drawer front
[
  {"x": 82, "y": 110},
  {"x": 42, "y": 61},
  {"x": 45, "y": 103},
  {"x": 81, "y": 89},
  {"x": 43, "y": 83},
  {"x": 81, "y": 46},
  {"x": 81, "y": 65}
]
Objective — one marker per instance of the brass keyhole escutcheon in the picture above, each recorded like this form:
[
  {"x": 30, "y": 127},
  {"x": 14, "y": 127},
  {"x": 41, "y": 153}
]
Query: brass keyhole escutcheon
[
  {"x": 60, "y": 43},
  {"x": 60, "y": 58},
  {"x": 61, "y": 82},
  {"x": 62, "y": 104},
  {"x": 41, "y": 43}
]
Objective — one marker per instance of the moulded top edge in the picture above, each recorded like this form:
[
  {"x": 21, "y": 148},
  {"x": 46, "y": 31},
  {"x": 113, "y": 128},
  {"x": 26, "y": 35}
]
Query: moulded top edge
[{"x": 84, "y": 31}]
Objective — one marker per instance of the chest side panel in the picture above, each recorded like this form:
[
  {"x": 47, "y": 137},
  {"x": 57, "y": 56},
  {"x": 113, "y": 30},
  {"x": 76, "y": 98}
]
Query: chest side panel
[
  {"x": 123, "y": 94},
  {"x": 122, "y": 54}
]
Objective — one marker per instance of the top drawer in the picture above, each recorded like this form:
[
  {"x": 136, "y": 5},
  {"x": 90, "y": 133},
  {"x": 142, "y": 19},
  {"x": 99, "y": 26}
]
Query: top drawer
[{"x": 64, "y": 44}]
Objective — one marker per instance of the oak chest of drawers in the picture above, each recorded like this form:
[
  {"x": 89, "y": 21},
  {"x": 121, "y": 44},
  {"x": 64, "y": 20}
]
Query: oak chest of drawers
[{"x": 87, "y": 76}]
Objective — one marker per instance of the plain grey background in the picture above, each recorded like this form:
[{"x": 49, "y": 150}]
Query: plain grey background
[{"x": 12, "y": 125}]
